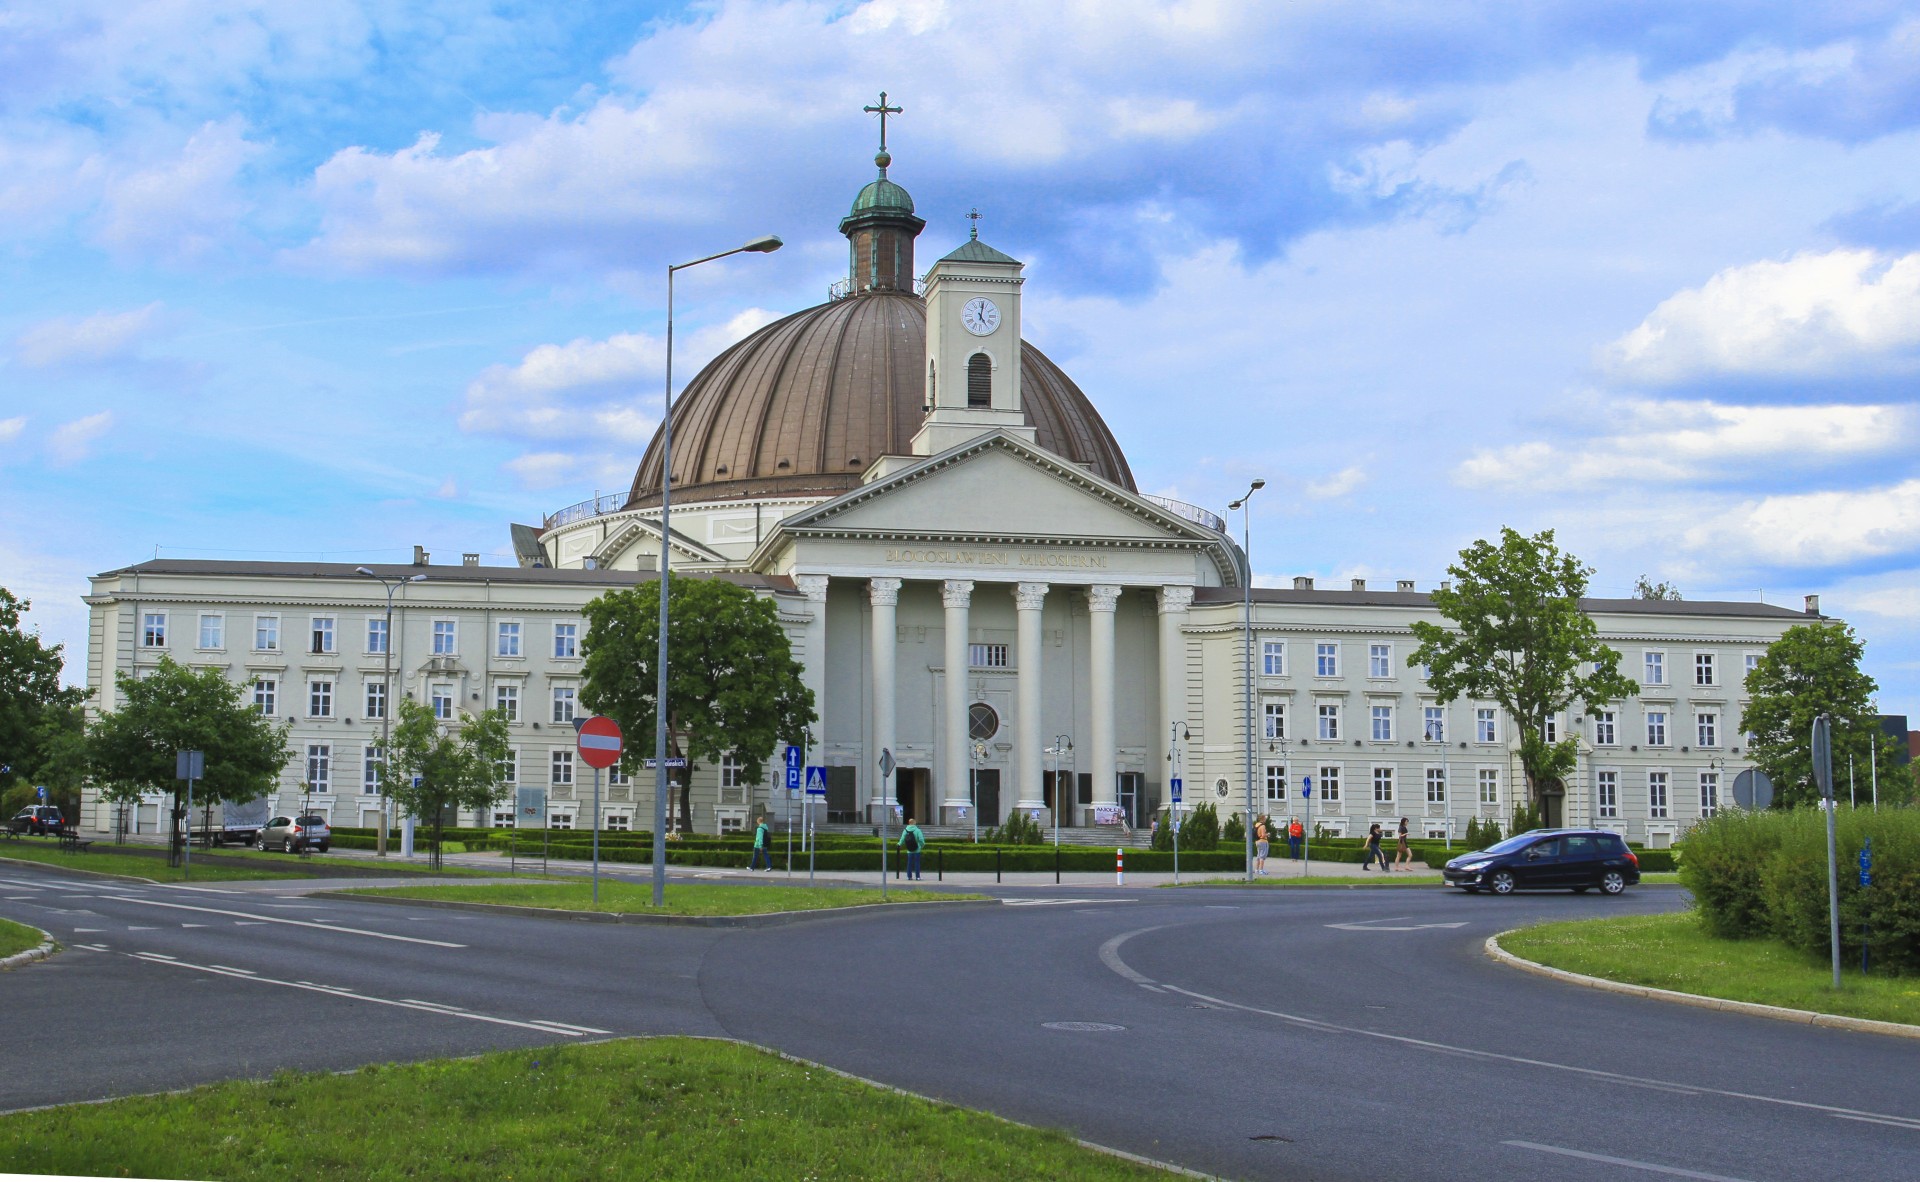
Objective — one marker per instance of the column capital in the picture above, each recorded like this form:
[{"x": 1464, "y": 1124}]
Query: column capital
[
  {"x": 1029, "y": 597},
  {"x": 956, "y": 592},
  {"x": 1175, "y": 599},
  {"x": 814, "y": 587},
  {"x": 883, "y": 592},
  {"x": 1103, "y": 597}
]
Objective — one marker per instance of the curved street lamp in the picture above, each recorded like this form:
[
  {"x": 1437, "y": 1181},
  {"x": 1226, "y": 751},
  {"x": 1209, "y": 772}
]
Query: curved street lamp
[
  {"x": 1246, "y": 549},
  {"x": 386, "y": 702}
]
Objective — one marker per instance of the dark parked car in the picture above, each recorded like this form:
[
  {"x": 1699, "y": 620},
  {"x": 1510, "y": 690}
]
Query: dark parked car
[
  {"x": 39, "y": 818},
  {"x": 309, "y": 831},
  {"x": 1548, "y": 860}
]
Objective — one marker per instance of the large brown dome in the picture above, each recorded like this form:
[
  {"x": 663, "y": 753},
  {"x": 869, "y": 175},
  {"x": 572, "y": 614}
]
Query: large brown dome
[{"x": 802, "y": 407}]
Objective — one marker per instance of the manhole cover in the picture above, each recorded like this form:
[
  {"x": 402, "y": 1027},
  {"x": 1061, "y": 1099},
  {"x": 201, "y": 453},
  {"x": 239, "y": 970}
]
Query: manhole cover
[{"x": 1082, "y": 1026}]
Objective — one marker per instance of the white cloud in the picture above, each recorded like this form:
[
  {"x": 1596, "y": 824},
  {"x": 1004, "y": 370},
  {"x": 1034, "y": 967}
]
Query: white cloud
[
  {"x": 555, "y": 469},
  {"x": 1337, "y": 485},
  {"x": 182, "y": 208},
  {"x": 10, "y": 428},
  {"x": 1842, "y": 312},
  {"x": 1814, "y": 529},
  {"x": 90, "y": 340},
  {"x": 73, "y": 442},
  {"x": 584, "y": 389}
]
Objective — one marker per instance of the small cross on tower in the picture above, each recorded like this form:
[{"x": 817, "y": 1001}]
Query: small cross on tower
[
  {"x": 973, "y": 216},
  {"x": 883, "y": 110}
]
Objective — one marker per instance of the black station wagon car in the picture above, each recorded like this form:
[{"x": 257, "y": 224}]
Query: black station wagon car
[{"x": 1548, "y": 860}]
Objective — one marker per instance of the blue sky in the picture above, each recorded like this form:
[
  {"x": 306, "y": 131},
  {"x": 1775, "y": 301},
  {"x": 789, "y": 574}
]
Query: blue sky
[{"x": 335, "y": 278}]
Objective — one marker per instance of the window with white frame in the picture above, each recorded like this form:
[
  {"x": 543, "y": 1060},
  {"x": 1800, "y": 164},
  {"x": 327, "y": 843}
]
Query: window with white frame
[
  {"x": 1486, "y": 727},
  {"x": 319, "y": 767},
  {"x": 618, "y": 776},
  {"x": 1752, "y": 663},
  {"x": 504, "y": 818},
  {"x": 377, "y": 636},
  {"x": 266, "y": 634},
  {"x": 1326, "y": 659},
  {"x": 213, "y": 630},
  {"x": 1657, "y": 794},
  {"x": 376, "y": 703},
  {"x": 1603, "y": 728},
  {"x": 1489, "y": 779},
  {"x": 987, "y": 656},
  {"x": 1276, "y": 783},
  {"x": 446, "y": 638},
  {"x": 266, "y": 695},
  {"x": 1436, "y": 785},
  {"x": 566, "y": 640},
  {"x": 320, "y": 634},
  {"x": 733, "y": 779},
  {"x": 1330, "y": 783},
  {"x": 560, "y": 820},
  {"x": 1329, "y": 720},
  {"x": 1273, "y": 658},
  {"x": 1433, "y": 724},
  {"x": 1275, "y": 714},
  {"x": 1379, "y": 660},
  {"x": 320, "y": 699},
  {"x": 1383, "y": 785},
  {"x": 506, "y": 638},
  {"x": 1653, "y": 667},
  {"x": 565, "y": 699},
  {"x": 1706, "y": 728},
  {"x": 1381, "y": 720},
  {"x": 510, "y": 768},
  {"x": 372, "y": 763},
  {"x": 506, "y": 699},
  {"x": 1709, "y": 793},
  {"x": 561, "y": 764},
  {"x": 1551, "y": 728},
  {"x": 153, "y": 629},
  {"x": 619, "y": 822},
  {"x": 1606, "y": 790},
  {"x": 1704, "y": 672},
  {"x": 442, "y": 700},
  {"x": 1656, "y": 728}
]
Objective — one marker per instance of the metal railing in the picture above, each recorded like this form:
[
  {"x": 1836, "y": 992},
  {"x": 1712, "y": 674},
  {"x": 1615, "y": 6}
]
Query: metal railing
[
  {"x": 592, "y": 507},
  {"x": 1193, "y": 513}
]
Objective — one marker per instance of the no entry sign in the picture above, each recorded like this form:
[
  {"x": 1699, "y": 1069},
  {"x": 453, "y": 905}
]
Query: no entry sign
[{"x": 600, "y": 742}]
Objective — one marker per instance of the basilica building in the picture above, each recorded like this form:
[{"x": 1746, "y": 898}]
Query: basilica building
[{"x": 974, "y": 586}]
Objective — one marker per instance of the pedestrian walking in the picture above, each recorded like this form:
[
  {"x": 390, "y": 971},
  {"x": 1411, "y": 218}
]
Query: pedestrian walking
[
  {"x": 762, "y": 845},
  {"x": 1260, "y": 846},
  {"x": 1403, "y": 856},
  {"x": 1295, "y": 833},
  {"x": 912, "y": 841},
  {"x": 1373, "y": 851}
]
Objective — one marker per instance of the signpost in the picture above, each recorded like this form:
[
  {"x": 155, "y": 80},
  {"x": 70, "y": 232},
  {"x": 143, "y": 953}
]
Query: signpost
[
  {"x": 1866, "y": 880},
  {"x": 887, "y": 798},
  {"x": 600, "y": 744},
  {"x": 188, "y": 766},
  {"x": 1173, "y": 786},
  {"x": 816, "y": 786},
  {"x": 794, "y": 758},
  {"x": 1822, "y": 742},
  {"x": 1753, "y": 789},
  {"x": 531, "y": 804},
  {"x": 1306, "y": 830}
]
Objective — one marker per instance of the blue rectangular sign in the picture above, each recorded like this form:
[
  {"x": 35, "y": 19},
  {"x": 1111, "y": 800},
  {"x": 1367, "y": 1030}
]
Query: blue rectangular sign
[
  {"x": 793, "y": 769},
  {"x": 1174, "y": 785}
]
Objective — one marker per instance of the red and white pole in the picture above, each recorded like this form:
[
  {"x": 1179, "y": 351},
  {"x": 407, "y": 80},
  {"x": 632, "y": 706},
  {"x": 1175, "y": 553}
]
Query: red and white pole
[{"x": 1119, "y": 867}]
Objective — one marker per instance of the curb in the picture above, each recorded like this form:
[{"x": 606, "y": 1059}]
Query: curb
[
  {"x": 47, "y": 948},
  {"x": 1699, "y": 1001},
  {"x": 767, "y": 920}
]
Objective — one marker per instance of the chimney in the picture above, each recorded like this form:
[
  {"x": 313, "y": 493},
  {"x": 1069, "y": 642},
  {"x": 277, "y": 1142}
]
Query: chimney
[
  {"x": 1403, "y": 585},
  {"x": 420, "y": 556},
  {"x": 469, "y": 559},
  {"x": 1359, "y": 584},
  {"x": 1446, "y": 584},
  {"x": 1303, "y": 582},
  {"x": 1813, "y": 605}
]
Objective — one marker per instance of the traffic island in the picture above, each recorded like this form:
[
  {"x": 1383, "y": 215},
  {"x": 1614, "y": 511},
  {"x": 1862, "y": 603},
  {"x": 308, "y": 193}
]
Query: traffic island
[
  {"x": 20, "y": 944},
  {"x": 698, "y": 904}
]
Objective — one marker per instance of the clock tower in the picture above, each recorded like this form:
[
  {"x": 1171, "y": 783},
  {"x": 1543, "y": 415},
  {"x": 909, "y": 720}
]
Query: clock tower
[{"x": 973, "y": 347}]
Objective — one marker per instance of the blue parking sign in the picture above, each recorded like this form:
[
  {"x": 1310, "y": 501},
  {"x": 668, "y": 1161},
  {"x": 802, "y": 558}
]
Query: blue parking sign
[{"x": 793, "y": 768}]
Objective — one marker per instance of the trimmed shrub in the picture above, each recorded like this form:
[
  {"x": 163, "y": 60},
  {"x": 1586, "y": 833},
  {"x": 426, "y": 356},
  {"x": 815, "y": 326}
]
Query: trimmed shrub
[
  {"x": 1020, "y": 829},
  {"x": 1727, "y": 856}
]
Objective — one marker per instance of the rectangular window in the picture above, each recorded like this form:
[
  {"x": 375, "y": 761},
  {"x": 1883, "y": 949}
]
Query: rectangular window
[
  {"x": 1433, "y": 724},
  {"x": 1656, "y": 728},
  {"x": 1276, "y": 719},
  {"x": 1329, "y": 722},
  {"x": 987, "y": 656},
  {"x": 503, "y": 818},
  {"x": 321, "y": 635},
  {"x": 1607, "y": 792},
  {"x": 1326, "y": 659},
  {"x": 1709, "y": 793},
  {"x": 1382, "y": 719},
  {"x": 1330, "y": 784},
  {"x": 506, "y": 639},
  {"x": 1752, "y": 662},
  {"x": 1656, "y": 794},
  {"x": 510, "y": 768},
  {"x": 1276, "y": 783},
  {"x": 266, "y": 694},
  {"x": 370, "y": 768},
  {"x": 213, "y": 631},
  {"x": 733, "y": 780},
  {"x": 1707, "y": 728},
  {"x": 562, "y": 764},
  {"x": 1436, "y": 785},
  {"x": 319, "y": 767},
  {"x": 1484, "y": 728},
  {"x": 1489, "y": 785},
  {"x": 618, "y": 776},
  {"x": 564, "y": 701},
  {"x": 1603, "y": 732},
  {"x": 1383, "y": 785},
  {"x": 377, "y": 636},
  {"x": 1273, "y": 658},
  {"x": 266, "y": 634},
  {"x": 1703, "y": 669},
  {"x": 566, "y": 640},
  {"x": 562, "y": 820},
  {"x": 1655, "y": 668},
  {"x": 446, "y": 638},
  {"x": 1552, "y": 732},
  {"x": 619, "y": 822},
  {"x": 443, "y": 701},
  {"x": 319, "y": 699},
  {"x": 1379, "y": 660},
  {"x": 376, "y": 704},
  {"x": 506, "y": 699},
  {"x": 153, "y": 629}
]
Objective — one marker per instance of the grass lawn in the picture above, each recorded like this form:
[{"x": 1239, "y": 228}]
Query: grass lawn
[
  {"x": 667, "y": 1108},
  {"x": 16, "y": 937},
  {"x": 231, "y": 864},
  {"x": 1672, "y": 952},
  {"x": 682, "y": 898}
]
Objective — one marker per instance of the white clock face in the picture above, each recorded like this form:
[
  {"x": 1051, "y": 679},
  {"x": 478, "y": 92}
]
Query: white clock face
[{"x": 980, "y": 316}]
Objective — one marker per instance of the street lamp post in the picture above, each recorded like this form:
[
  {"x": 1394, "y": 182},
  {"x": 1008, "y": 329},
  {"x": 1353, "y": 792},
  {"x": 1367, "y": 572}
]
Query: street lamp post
[
  {"x": 765, "y": 245},
  {"x": 1246, "y": 549},
  {"x": 386, "y": 701},
  {"x": 1062, "y": 745},
  {"x": 979, "y": 750},
  {"x": 1178, "y": 734}
]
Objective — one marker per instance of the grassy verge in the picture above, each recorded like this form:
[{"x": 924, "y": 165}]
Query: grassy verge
[
  {"x": 657, "y": 1108},
  {"x": 681, "y": 898},
  {"x": 17, "y": 937},
  {"x": 1673, "y": 952},
  {"x": 227, "y": 865}
]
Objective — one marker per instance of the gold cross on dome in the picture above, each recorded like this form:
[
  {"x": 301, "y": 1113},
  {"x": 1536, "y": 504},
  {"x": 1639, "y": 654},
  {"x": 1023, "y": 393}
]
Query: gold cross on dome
[{"x": 883, "y": 110}]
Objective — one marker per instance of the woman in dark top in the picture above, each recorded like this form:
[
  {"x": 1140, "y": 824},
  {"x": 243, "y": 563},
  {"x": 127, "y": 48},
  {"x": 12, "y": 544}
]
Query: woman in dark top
[{"x": 1373, "y": 848}]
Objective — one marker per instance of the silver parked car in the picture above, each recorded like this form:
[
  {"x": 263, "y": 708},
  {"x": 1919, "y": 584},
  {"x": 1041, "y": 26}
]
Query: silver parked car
[{"x": 308, "y": 831}]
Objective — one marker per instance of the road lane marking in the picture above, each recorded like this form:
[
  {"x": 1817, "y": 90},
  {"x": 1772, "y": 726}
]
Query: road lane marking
[
  {"x": 1898, "y": 1122},
  {"x": 136, "y": 929},
  {"x": 350, "y": 995},
  {"x": 568, "y": 1027},
  {"x": 1060, "y": 902},
  {"x": 1650, "y": 1167},
  {"x": 1379, "y": 925},
  {"x": 231, "y": 969},
  {"x": 301, "y": 923}
]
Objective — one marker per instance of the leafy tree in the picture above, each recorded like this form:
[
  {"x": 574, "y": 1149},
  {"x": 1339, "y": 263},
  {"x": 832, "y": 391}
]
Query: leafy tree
[
  {"x": 733, "y": 687},
  {"x": 33, "y": 706},
  {"x": 1812, "y": 669},
  {"x": 1645, "y": 588},
  {"x": 1519, "y": 638},
  {"x": 173, "y": 709},
  {"x": 59, "y": 763},
  {"x": 457, "y": 766}
]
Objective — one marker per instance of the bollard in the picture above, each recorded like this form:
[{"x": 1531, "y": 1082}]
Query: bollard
[
  {"x": 939, "y": 856},
  {"x": 1056, "y": 865},
  {"x": 996, "y": 859},
  {"x": 1119, "y": 867}
]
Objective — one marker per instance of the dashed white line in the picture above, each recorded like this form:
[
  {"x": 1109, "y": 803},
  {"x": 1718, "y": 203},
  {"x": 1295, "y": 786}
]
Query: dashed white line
[
  {"x": 302, "y": 923},
  {"x": 1650, "y": 1167}
]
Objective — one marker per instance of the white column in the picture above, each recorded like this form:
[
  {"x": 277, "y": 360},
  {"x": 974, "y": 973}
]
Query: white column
[
  {"x": 1102, "y": 598},
  {"x": 1174, "y": 602},
  {"x": 1028, "y": 598},
  {"x": 814, "y": 672},
  {"x": 883, "y": 595},
  {"x": 956, "y": 594}
]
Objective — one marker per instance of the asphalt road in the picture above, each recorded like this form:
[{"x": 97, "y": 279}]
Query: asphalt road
[{"x": 1296, "y": 1034}]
